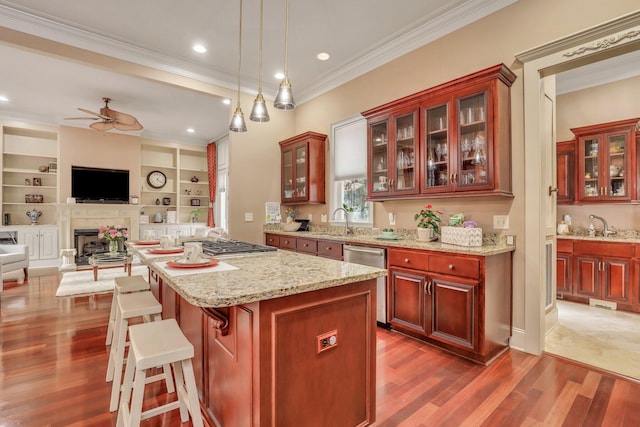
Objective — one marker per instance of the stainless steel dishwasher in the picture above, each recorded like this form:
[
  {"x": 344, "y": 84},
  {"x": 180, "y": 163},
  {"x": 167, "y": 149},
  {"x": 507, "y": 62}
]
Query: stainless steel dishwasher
[{"x": 373, "y": 257}]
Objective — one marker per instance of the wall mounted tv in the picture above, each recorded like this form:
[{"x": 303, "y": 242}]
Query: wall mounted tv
[{"x": 97, "y": 185}]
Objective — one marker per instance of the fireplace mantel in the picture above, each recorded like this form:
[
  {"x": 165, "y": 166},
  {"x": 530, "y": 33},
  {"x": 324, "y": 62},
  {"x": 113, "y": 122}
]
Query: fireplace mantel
[{"x": 88, "y": 215}]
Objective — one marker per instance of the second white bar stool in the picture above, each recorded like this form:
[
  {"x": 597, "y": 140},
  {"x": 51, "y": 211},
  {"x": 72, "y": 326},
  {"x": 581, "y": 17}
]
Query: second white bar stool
[
  {"x": 137, "y": 304},
  {"x": 124, "y": 285}
]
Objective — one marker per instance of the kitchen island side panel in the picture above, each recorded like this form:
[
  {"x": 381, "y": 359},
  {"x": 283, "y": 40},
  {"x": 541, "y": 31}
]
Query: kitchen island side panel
[{"x": 268, "y": 369}]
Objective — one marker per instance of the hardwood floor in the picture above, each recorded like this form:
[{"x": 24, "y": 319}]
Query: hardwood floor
[{"x": 53, "y": 363}]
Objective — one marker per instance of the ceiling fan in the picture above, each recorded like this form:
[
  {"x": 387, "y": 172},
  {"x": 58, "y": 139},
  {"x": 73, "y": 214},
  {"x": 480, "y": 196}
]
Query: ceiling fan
[{"x": 109, "y": 119}]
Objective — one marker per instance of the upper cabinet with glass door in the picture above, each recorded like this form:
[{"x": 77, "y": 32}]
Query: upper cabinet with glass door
[
  {"x": 463, "y": 139},
  {"x": 303, "y": 168},
  {"x": 393, "y": 150},
  {"x": 607, "y": 161}
]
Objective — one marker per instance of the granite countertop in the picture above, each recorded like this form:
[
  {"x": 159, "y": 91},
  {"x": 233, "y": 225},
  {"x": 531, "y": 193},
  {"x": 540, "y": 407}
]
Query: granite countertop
[
  {"x": 622, "y": 238},
  {"x": 256, "y": 277},
  {"x": 404, "y": 242}
]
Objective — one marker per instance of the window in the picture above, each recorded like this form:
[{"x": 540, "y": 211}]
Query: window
[
  {"x": 348, "y": 175},
  {"x": 222, "y": 196}
]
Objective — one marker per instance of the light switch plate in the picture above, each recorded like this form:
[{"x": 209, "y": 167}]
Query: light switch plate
[
  {"x": 501, "y": 222},
  {"x": 248, "y": 216}
]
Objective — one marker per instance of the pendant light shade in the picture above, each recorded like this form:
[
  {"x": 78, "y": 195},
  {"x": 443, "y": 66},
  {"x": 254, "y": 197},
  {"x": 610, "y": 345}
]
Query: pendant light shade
[
  {"x": 259, "y": 111},
  {"x": 237, "y": 120},
  {"x": 284, "y": 97}
]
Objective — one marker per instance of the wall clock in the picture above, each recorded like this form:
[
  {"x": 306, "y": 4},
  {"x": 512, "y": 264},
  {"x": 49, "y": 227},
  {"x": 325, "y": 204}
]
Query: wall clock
[{"x": 156, "y": 179}]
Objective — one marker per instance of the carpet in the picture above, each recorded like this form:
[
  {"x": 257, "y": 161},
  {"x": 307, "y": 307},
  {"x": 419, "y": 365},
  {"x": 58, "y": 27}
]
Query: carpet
[
  {"x": 598, "y": 337},
  {"x": 80, "y": 283}
]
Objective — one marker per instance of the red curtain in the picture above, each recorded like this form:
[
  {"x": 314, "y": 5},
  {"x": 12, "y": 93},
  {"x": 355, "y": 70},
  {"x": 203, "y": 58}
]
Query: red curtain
[{"x": 212, "y": 165}]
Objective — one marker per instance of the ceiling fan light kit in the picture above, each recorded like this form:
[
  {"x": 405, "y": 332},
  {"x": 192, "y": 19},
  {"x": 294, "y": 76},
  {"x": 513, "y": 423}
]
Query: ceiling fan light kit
[{"x": 237, "y": 120}]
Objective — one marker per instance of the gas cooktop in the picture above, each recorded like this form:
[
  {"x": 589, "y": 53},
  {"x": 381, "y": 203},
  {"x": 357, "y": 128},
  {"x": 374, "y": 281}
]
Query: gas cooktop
[{"x": 231, "y": 247}]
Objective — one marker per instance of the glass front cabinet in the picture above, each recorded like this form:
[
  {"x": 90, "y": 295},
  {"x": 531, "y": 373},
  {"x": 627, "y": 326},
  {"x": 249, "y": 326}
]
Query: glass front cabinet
[
  {"x": 303, "y": 167},
  {"x": 392, "y": 144},
  {"x": 459, "y": 145},
  {"x": 607, "y": 161}
]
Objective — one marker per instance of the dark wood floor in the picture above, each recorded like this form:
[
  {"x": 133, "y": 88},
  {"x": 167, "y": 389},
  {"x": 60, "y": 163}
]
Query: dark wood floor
[{"x": 54, "y": 359}]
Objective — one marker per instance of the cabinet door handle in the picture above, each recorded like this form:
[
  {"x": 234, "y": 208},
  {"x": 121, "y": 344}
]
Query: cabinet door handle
[
  {"x": 453, "y": 178},
  {"x": 407, "y": 260},
  {"x": 306, "y": 244},
  {"x": 451, "y": 267},
  {"x": 427, "y": 287}
]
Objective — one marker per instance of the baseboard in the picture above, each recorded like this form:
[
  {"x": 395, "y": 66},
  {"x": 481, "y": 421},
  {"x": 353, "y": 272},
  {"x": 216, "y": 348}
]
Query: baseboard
[
  {"x": 43, "y": 271},
  {"x": 603, "y": 304},
  {"x": 517, "y": 340}
]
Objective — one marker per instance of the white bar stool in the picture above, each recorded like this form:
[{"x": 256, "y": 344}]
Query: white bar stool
[
  {"x": 124, "y": 285},
  {"x": 137, "y": 304},
  {"x": 153, "y": 344}
]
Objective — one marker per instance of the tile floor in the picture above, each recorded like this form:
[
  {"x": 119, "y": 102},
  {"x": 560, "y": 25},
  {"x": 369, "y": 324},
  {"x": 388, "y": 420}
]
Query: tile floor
[{"x": 606, "y": 339}]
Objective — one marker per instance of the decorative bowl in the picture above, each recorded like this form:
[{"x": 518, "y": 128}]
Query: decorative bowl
[{"x": 290, "y": 226}]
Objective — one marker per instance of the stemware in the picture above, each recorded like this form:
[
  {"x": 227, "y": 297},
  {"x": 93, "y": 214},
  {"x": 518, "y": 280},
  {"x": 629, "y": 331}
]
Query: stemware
[{"x": 438, "y": 152}]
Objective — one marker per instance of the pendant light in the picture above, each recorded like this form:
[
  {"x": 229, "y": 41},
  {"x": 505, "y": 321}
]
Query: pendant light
[
  {"x": 237, "y": 120},
  {"x": 284, "y": 97},
  {"x": 259, "y": 111}
]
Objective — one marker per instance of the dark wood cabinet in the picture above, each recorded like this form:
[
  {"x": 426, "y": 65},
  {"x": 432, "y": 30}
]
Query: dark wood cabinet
[
  {"x": 393, "y": 147},
  {"x": 598, "y": 270},
  {"x": 407, "y": 302},
  {"x": 463, "y": 138},
  {"x": 459, "y": 302},
  {"x": 454, "y": 310},
  {"x": 607, "y": 162},
  {"x": 566, "y": 172},
  {"x": 303, "y": 165},
  {"x": 324, "y": 248}
]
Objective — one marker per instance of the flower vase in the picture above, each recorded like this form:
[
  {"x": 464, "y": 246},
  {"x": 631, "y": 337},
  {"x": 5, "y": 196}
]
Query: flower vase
[
  {"x": 113, "y": 247},
  {"x": 426, "y": 234}
]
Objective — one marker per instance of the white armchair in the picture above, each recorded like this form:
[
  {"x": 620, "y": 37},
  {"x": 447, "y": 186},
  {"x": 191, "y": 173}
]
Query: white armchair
[{"x": 14, "y": 257}]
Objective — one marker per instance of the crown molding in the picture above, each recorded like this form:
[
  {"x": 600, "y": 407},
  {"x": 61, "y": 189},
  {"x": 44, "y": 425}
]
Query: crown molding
[
  {"x": 405, "y": 41},
  {"x": 586, "y": 40}
]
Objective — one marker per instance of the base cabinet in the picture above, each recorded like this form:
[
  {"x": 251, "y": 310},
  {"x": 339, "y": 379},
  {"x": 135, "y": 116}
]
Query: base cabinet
[
  {"x": 454, "y": 313},
  {"x": 323, "y": 248},
  {"x": 458, "y": 302},
  {"x": 587, "y": 270},
  {"x": 42, "y": 242}
]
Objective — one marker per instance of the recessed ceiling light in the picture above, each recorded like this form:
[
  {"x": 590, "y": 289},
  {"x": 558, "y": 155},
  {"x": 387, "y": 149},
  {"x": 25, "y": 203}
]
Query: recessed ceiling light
[
  {"x": 4, "y": 98},
  {"x": 323, "y": 56},
  {"x": 226, "y": 101},
  {"x": 199, "y": 48},
  {"x": 279, "y": 76},
  {"x": 191, "y": 130}
]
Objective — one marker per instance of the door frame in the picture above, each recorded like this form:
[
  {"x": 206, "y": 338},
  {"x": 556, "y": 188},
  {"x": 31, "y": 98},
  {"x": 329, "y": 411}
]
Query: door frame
[{"x": 609, "y": 39}]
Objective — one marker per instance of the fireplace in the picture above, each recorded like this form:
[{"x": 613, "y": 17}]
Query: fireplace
[{"x": 87, "y": 242}]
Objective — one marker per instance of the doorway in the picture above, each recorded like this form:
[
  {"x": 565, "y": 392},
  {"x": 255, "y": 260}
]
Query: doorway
[{"x": 608, "y": 40}]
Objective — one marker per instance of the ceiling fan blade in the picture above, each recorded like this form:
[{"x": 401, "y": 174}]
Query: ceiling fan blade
[
  {"x": 81, "y": 118},
  {"x": 95, "y": 114},
  {"x": 123, "y": 118},
  {"x": 101, "y": 126},
  {"x": 124, "y": 126}
]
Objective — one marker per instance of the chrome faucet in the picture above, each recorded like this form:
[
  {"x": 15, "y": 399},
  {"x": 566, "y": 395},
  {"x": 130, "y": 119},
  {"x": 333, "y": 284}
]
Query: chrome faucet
[
  {"x": 605, "y": 227},
  {"x": 346, "y": 219}
]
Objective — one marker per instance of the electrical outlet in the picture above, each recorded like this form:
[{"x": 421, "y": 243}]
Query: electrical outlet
[
  {"x": 511, "y": 240},
  {"x": 323, "y": 218},
  {"x": 248, "y": 216},
  {"x": 392, "y": 219},
  {"x": 501, "y": 222},
  {"x": 310, "y": 217}
]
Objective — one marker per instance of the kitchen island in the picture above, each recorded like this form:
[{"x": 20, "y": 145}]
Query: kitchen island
[{"x": 280, "y": 338}]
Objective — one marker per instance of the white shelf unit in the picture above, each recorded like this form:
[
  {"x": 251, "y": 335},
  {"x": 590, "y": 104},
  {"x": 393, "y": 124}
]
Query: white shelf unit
[
  {"x": 180, "y": 165},
  {"x": 24, "y": 152},
  {"x": 193, "y": 163}
]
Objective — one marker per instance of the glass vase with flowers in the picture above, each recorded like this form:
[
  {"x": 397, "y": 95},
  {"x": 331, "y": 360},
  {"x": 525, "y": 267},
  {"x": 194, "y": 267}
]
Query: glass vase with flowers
[{"x": 113, "y": 234}]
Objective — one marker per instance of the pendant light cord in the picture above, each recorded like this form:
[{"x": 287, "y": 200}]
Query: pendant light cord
[
  {"x": 286, "y": 41},
  {"x": 260, "y": 68},
  {"x": 239, "y": 52}
]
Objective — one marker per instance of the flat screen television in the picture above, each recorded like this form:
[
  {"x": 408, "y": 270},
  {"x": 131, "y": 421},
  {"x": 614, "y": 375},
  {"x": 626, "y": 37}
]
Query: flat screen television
[{"x": 98, "y": 185}]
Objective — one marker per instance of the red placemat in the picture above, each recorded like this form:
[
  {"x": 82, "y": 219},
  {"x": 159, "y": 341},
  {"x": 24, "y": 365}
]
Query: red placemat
[
  {"x": 212, "y": 262},
  {"x": 147, "y": 242},
  {"x": 159, "y": 251}
]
